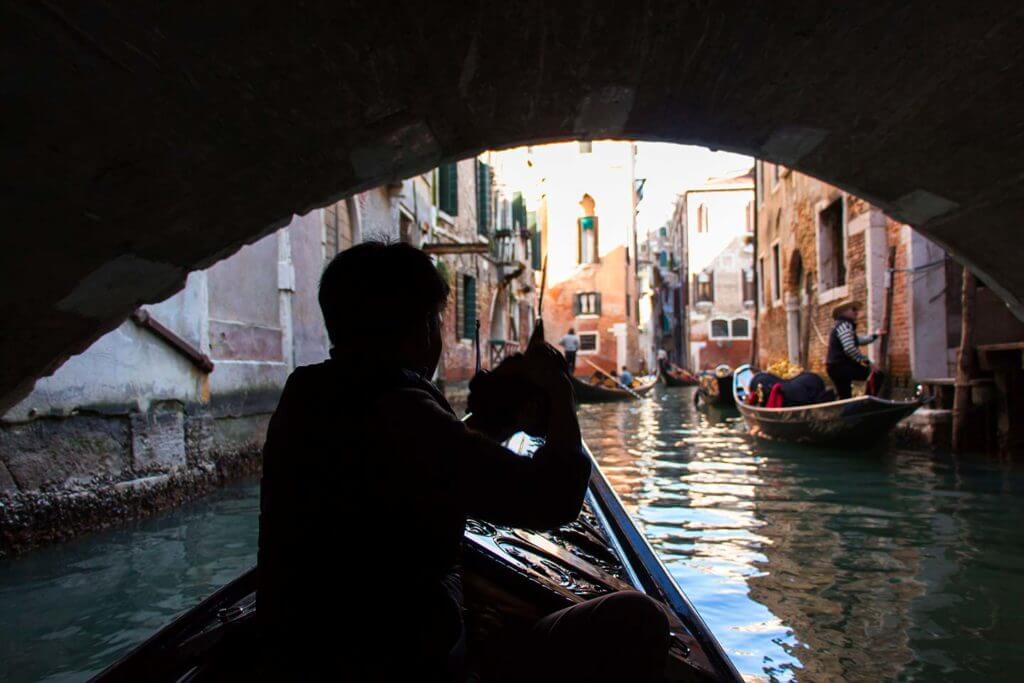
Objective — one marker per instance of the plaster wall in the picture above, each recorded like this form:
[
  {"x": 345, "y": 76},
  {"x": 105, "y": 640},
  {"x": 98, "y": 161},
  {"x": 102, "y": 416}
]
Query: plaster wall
[
  {"x": 727, "y": 219},
  {"x": 128, "y": 368}
]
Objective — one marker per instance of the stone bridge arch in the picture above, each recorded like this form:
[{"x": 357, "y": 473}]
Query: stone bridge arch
[{"x": 147, "y": 139}]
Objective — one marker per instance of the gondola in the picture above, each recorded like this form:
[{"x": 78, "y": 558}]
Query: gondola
[
  {"x": 535, "y": 573},
  {"x": 673, "y": 381},
  {"x": 715, "y": 388},
  {"x": 596, "y": 393},
  {"x": 855, "y": 421}
]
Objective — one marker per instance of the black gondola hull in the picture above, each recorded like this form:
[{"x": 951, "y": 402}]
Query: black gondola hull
[
  {"x": 601, "y": 552},
  {"x": 851, "y": 422},
  {"x": 595, "y": 393},
  {"x": 717, "y": 391}
]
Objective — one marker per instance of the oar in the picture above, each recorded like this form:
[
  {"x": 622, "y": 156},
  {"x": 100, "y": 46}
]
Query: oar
[
  {"x": 537, "y": 336},
  {"x": 602, "y": 371}
]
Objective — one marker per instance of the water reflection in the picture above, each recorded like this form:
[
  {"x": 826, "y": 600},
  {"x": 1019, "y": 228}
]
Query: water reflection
[
  {"x": 70, "y": 610},
  {"x": 809, "y": 564},
  {"x": 817, "y": 565}
]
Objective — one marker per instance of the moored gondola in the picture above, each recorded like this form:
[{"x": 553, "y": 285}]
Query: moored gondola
[
  {"x": 715, "y": 388},
  {"x": 855, "y": 421},
  {"x": 511, "y": 575},
  {"x": 598, "y": 393}
]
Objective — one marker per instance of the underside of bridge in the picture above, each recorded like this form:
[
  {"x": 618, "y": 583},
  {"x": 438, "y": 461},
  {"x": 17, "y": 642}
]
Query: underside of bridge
[{"x": 143, "y": 140}]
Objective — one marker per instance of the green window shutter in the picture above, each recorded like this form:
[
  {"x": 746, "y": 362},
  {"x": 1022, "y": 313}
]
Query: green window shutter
[
  {"x": 469, "y": 306},
  {"x": 460, "y": 306},
  {"x": 518, "y": 211},
  {"x": 577, "y": 308},
  {"x": 597, "y": 303},
  {"x": 535, "y": 258},
  {"x": 483, "y": 198},
  {"x": 448, "y": 189}
]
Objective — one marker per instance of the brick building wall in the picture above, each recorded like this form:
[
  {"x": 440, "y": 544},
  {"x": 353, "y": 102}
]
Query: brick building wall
[
  {"x": 458, "y": 361},
  {"x": 788, "y": 217},
  {"x": 606, "y": 277}
]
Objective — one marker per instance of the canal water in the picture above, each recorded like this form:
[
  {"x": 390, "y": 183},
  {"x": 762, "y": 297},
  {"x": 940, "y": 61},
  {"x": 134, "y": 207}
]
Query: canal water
[{"x": 809, "y": 565}]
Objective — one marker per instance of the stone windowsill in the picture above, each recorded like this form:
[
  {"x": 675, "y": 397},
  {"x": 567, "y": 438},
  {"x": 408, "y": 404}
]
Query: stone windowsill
[{"x": 834, "y": 294}]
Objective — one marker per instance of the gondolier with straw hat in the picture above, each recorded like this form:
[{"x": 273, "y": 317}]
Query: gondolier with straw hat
[{"x": 844, "y": 362}]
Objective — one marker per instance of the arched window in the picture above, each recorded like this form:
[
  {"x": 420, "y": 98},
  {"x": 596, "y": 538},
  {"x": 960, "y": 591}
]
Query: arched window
[
  {"x": 740, "y": 327},
  {"x": 719, "y": 329},
  {"x": 587, "y": 231}
]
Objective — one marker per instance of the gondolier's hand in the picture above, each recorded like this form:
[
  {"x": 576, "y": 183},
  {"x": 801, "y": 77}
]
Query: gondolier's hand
[{"x": 546, "y": 368}]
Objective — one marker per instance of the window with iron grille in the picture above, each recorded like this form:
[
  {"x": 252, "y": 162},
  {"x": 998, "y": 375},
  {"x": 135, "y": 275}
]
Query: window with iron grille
[
  {"x": 740, "y": 327},
  {"x": 588, "y": 341},
  {"x": 448, "y": 189}
]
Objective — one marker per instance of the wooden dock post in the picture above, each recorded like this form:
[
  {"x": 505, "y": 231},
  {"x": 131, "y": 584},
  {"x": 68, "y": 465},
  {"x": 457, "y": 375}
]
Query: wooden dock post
[{"x": 964, "y": 362}]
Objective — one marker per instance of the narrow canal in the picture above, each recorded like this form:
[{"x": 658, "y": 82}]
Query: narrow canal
[{"x": 809, "y": 565}]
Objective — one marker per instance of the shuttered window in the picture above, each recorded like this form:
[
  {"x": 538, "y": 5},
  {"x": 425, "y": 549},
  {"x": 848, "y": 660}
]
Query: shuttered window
[
  {"x": 448, "y": 189},
  {"x": 483, "y": 198},
  {"x": 587, "y": 303},
  {"x": 467, "y": 315},
  {"x": 535, "y": 257},
  {"x": 588, "y": 341},
  {"x": 518, "y": 211}
]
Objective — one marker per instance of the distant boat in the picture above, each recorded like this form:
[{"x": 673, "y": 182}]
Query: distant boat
[
  {"x": 671, "y": 380},
  {"x": 849, "y": 422},
  {"x": 598, "y": 393},
  {"x": 527, "y": 574}
]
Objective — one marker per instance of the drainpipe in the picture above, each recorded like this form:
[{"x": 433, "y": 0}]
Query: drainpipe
[
  {"x": 754, "y": 355},
  {"x": 355, "y": 219}
]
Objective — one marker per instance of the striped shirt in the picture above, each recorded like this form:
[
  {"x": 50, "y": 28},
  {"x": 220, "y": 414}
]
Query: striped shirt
[{"x": 850, "y": 340}]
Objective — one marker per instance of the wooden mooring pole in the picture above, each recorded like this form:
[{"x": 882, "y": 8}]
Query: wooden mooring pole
[{"x": 964, "y": 363}]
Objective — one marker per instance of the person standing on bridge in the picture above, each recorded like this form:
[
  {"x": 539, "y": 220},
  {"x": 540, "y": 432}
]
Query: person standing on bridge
[
  {"x": 571, "y": 343},
  {"x": 845, "y": 363}
]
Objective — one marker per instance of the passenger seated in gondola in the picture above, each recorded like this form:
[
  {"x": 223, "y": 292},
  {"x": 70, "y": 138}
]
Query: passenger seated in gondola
[
  {"x": 845, "y": 363},
  {"x": 626, "y": 377},
  {"x": 369, "y": 476},
  {"x": 771, "y": 391}
]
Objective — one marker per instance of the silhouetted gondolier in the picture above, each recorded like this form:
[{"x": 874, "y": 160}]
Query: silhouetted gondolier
[{"x": 845, "y": 363}]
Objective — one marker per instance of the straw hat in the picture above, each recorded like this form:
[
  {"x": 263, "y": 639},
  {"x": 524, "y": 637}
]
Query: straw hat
[{"x": 843, "y": 305}]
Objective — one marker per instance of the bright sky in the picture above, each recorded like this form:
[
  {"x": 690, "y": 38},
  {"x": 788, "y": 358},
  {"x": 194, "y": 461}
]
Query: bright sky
[{"x": 671, "y": 169}]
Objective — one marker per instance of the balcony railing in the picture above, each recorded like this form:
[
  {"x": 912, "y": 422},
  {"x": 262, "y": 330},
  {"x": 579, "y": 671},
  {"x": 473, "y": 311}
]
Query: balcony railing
[{"x": 499, "y": 349}]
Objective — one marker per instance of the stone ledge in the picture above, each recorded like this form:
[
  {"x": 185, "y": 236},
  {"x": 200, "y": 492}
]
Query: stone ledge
[{"x": 32, "y": 519}]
